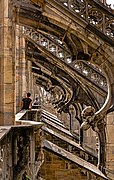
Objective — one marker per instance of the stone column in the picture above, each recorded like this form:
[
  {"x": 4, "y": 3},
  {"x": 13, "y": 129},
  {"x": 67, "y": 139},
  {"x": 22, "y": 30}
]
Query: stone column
[
  {"x": 18, "y": 70},
  {"x": 7, "y": 66},
  {"x": 23, "y": 65}
]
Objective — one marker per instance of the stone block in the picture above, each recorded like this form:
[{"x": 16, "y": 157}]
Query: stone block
[
  {"x": 110, "y": 133},
  {"x": 110, "y": 118}
]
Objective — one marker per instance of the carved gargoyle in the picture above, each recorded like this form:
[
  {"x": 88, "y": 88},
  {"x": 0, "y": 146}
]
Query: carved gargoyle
[{"x": 88, "y": 116}]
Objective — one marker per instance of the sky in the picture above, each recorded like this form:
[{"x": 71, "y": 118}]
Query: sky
[{"x": 111, "y": 2}]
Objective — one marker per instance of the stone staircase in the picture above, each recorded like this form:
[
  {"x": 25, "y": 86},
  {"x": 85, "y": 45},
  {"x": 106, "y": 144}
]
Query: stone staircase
[
  {"x": 62, "y": 148},
  {"x": 63, "y": 157}
]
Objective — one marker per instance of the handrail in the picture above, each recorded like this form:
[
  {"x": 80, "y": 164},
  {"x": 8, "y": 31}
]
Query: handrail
[{"x": 20, "y": 114}]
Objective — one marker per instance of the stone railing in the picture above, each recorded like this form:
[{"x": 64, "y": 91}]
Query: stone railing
[
  {"x": 98, "y": 15},
  {"x": 56, "y": 47},
  {"x": 17, "y": 144}
]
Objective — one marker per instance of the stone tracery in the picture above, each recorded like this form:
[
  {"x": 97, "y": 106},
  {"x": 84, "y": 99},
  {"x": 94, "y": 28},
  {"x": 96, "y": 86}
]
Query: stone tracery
[{"x": 55, "y": 57}]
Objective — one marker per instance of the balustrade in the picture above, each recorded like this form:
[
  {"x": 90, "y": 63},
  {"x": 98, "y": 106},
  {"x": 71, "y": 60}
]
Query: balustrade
[
  {"x": 94, "y": 12},
  {"x": 60, "y": 50}
]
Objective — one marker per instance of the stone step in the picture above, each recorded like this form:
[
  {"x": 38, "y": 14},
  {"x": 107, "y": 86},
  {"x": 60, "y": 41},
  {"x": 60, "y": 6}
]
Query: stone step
[
  {"x": 52, "y": 120},
  {"x": 52, "y": 116},
  {"x": 69, "y": 145},
  {"x": 58, "y": 129}
]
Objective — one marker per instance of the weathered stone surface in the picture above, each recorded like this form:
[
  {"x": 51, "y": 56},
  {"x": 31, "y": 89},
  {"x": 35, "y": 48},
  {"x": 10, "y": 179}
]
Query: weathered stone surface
[{"x": 60, "y": 27}]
